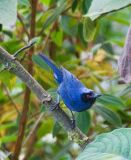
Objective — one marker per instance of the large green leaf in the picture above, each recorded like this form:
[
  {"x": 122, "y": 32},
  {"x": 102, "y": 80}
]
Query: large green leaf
[
  {"x": 109, "y": 115},
  {"x": 83, "y": 121},
  {"x": 115, "y": 145},
  {"x": 8, "y": 12},
  {"x": 100, "y": 7},
  {"x": 111, "y": 101}
]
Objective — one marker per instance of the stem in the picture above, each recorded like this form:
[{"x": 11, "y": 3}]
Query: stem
[
  {"x": 31, "y": 138},
  {"x": 24, "y": 115},
  {"x": 10, "y": 98},
  {"x": 23, "y": 25}
]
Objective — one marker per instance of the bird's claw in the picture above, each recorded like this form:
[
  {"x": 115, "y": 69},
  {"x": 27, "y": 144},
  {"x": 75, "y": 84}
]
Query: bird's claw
[
  {"x": 54, "y": 106},
  {"x": 73, "y": 124}
]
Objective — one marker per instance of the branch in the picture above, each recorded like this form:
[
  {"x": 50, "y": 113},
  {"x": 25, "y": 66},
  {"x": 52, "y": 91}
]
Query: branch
[
  {"x": 31, "y": 137},
  {"x": 23, "y": 25},
  {"x": 10, "y": 98},
  {"x": 16, "y": 68}
]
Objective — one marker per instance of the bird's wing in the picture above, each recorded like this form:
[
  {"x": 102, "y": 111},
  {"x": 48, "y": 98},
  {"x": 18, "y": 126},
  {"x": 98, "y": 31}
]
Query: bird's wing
[
  {"x": 57, "y": 72},
  {"x": 70, "y": 87}
]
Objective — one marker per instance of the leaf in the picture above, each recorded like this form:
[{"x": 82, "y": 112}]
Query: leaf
[
  {"x": 89, "y": 29},
  {"x": 55, "y": 13},
  {"x": 81, "y": 35},
  {"x": 111, "y": 101},
  {"x": 83, "y": 121},
  {"x": 109, "y": 115},
  {"x": 86, "y": 5},
  {"x": 7, "y": 126},
  {"x": 40, "y": 62},
  {"x": 98, "y": 8},
  {"x": 69, "y": 25},
  {"x": 8, "y": 138},
  {"x": 8, "y": 12},
  {"x": 126, "y": 91},
  {"x": 24, "y": 2},
  {"x": 57, "y": 37},
  {"x": 57, "y": 127},
  {"x": 74, "y": 5},
  {"x": 115, "y": 145}
]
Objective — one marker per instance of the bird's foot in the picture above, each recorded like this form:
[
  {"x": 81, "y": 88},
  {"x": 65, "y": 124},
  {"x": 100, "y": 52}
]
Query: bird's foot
[
  {"x": 54, "y": 106},
  {"x": 73, "y": 123}
]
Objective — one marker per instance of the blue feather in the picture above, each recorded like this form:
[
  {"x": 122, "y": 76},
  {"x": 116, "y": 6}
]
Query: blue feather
[{"x": 57, "y": 72}]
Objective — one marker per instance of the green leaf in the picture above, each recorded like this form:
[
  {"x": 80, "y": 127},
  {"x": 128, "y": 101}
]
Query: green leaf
[
  {"x": 86, "y": 5},
  {"x": 74, "y": 5},
  {"x": 81, "y": 35},
  {"x": 43, "y": 108},
  {"x": 0, "y": 27},
  {"x": 66, "y": 157},
  {"x": 83, "y": 121},
  {"x": 57, "y": 37},
  {"x": 55, "y": 13},
  {"x": 69, "y": 25},
  {"x": 89, "y": 29},
  {"x": 111, "y": 101},
  {"x": 57, "y": 127},
  {"x": 98, "y": 8},
  {"x": 126, "y": 91},
  {"x": 8, "y": 138},
  {"x": 40, "y": 62},
  {"x": 109, "y": 115},
  {"x": 7, "y": 126},
  {"x": 115, "y": 145},
  {"x": 8, "y": 12},
  {"x": 24, "y": 2}
]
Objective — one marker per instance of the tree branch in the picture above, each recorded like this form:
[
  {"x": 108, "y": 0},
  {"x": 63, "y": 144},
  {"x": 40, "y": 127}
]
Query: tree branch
[{"x": 16, "y": 68}]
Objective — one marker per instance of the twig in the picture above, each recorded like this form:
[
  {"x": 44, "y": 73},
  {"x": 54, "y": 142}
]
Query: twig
[
  {"x": 31, "y": 138},
  {"x": 10, "y": 98},
  {"x": 34, "y": 127},
  {"x": 24, "y": 27},
  {"x": 30, "y": 44},
  {"x": 43, "y": 96},
  {"x": 48, "y": 36}
]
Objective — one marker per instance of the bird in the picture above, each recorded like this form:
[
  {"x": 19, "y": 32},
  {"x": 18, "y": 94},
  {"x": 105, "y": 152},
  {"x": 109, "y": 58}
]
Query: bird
[{"x": 75, "y": 95}]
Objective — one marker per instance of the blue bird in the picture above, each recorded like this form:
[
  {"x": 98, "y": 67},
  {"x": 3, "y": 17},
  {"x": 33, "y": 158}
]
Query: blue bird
[{"x": 74, "y": 94}]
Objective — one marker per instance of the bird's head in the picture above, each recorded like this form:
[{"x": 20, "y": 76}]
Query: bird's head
[{"x": 90, "y": 96}]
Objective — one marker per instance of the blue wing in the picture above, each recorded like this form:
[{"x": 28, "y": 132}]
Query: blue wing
[{"x": 57, "y": 72}]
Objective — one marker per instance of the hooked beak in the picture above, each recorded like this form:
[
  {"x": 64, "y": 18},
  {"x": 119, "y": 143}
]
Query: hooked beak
[{"x": 97, "y": 95}]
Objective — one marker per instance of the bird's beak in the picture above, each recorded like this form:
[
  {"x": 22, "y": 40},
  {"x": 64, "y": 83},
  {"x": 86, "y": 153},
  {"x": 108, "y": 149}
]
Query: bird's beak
[{"x": 97, "y": 95}]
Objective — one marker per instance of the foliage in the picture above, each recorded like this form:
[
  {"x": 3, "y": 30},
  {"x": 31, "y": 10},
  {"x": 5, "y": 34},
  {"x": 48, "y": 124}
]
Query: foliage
[
  {"x": 114, "y": 145},
  {"x": 86, "y": 44}
]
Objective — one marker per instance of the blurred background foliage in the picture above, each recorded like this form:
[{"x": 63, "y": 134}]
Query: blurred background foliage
[{"x": 91, "y": 56}]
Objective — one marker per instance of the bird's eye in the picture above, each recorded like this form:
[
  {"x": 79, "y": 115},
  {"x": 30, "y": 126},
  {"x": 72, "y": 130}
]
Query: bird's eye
[{"x": 87, "y": 96}]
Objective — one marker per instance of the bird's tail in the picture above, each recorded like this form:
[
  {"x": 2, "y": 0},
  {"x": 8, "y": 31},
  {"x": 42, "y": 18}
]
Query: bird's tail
[{"x": 56, "y": 70}]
